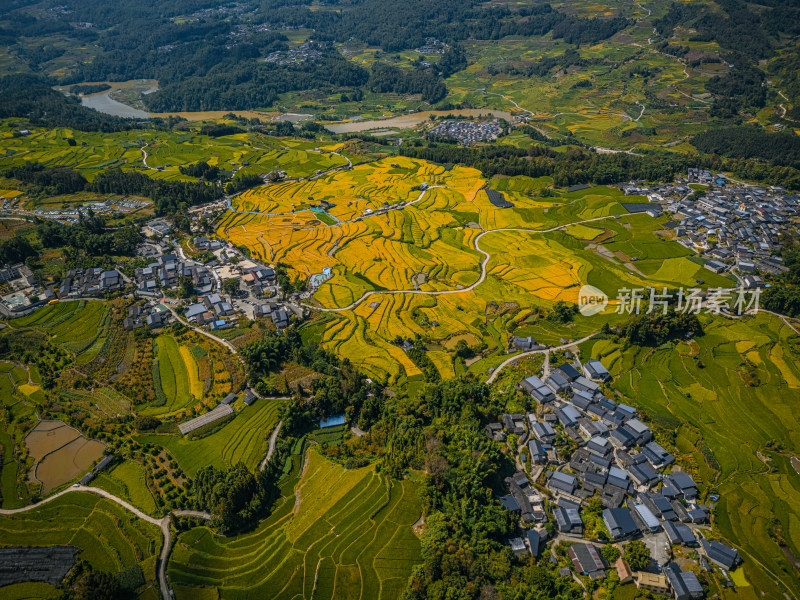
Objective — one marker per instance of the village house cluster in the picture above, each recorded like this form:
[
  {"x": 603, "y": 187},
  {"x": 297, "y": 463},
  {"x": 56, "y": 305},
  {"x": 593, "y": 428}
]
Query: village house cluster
[
  {"x": 582, "y": 445},
  {"x": 432, "y": 46},
  {"x": 90, "y": 283},
  {"x": 306, "y": 52},
  {"x": 20, "y": 292},
  {"x": 468, "y": 132},
  {"x": 71, "y": 216},
  {"x": 735, "y": 227},
  {"x": 254, "y": 294},
  {"x": 167, "y": 273}
]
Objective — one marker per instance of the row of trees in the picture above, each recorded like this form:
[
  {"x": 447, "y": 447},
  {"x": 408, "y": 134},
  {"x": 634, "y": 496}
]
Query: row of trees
[{"x": 576, "y": 166}]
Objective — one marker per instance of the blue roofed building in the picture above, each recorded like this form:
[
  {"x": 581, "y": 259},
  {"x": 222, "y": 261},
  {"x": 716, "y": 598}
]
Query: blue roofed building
[{"x": 333, "y": 421}]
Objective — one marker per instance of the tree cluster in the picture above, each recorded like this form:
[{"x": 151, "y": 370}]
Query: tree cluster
[
  {"x": 465, "y": 554},
  {"x": 388, "y": 79},
  {"x": 249, "y": 84},
  {"x": 656, "y": 329},
  {"x": 783, "y": 296},
  {"x": 200, "y": 170},
  {"x": 15, "y": 250},
  {"x": 169, "y": 197},
  {"x": 86, "y": 583},
  {"x": 91, "y": 236},
  {"x": 562, "y": 313},
  {"x": 236, "y": 498},
  {"x": 48, "y": 180},
  {"x": 341, "y": 388}
]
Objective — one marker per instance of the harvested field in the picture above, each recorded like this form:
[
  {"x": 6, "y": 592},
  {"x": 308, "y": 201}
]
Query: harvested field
[
  {"x": 67, "y": 463},
  {"x": 61, "y": 452},
  {"x": 49, "y": 436}
]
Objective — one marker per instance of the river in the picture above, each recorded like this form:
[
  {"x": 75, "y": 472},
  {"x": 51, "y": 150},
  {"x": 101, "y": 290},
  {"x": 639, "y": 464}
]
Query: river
[{"x": 104, "y": 103}]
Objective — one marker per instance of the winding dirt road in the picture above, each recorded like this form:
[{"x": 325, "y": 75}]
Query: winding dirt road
[
  {"x": 162, "y": 524},
  {"x": 273, "y": 439}
]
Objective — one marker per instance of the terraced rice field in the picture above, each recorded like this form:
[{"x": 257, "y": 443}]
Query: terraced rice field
[
  {"x": 243, "y": 439},
  {"x": 61, "y": 453},
  {"x": 344, "y": 534},
  {"x": 696, "y": 393},
  {"x": 94, "y": 152},
  {"x": 178, "y": 374},
  {"x": 430, "y": 247},
  {"x": 104, "y": 532},
  {"x": 126, "y": 480},
  {"x": 76, "y": 325}
]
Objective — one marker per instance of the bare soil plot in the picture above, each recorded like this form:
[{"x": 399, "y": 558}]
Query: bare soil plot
[
  {"x": 49, "y": 436},
  {"x": 61, "y": 453}
]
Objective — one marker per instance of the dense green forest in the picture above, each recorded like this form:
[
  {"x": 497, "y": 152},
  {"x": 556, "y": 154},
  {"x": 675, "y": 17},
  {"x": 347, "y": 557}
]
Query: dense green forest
[
  {"x": 751, "y": 142},
  {"x": 31, "y": 96},
  {"x": 216, "y": 61},
  {"x": 243, "y": 85}
]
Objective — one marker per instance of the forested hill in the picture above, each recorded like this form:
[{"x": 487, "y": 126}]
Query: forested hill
[
  {"x": 406, "y": 24},
  {"x": 752, "y": 31},
  {"x": 781, "y": 149},
  {"x": 31, "y": 97},
  {"x": 213, "y": 57}
]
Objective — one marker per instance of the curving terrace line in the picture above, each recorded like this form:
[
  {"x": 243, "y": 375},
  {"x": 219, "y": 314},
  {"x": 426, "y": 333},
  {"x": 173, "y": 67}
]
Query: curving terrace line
[
  {"x": 484, "y": 262},
  {"x": 323, "y": 226}
]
